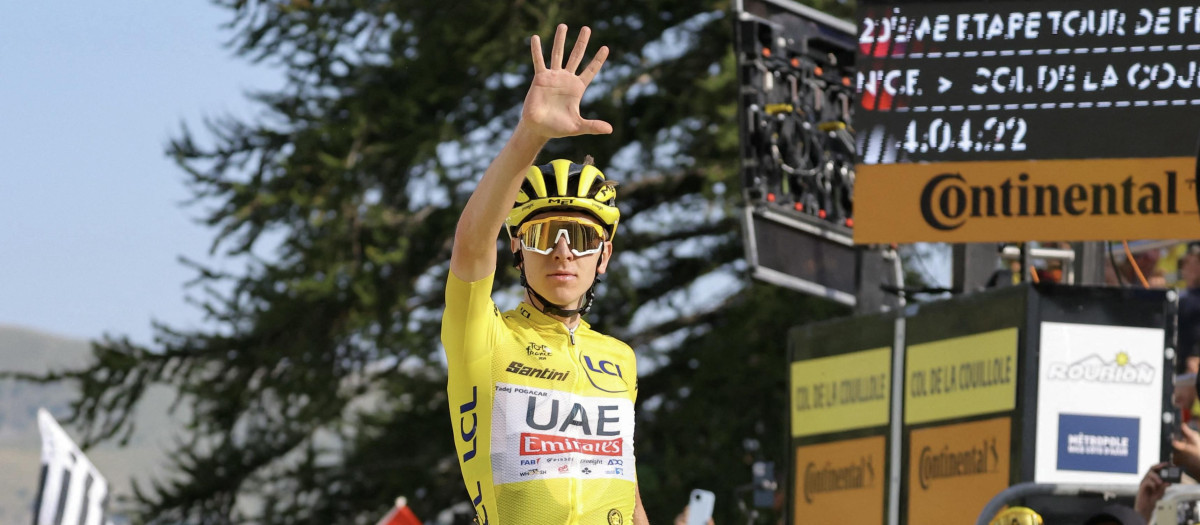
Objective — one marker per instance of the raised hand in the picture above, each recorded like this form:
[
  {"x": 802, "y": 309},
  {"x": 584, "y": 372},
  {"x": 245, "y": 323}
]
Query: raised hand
[
  {"x": 1150, "y": 491},
  {"x": 1187, "y": 450},
  {"x": 552, "y": 105}
]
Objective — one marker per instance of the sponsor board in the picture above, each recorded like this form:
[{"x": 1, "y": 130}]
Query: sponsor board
[
  {"x": 1099, "y": 413},
  {"x": 832, "y": 394},
  {"x": 841, "y": 482},
  {"x": 554, "y": 431},
  {"x": 961, "y": 376},
  {"x": 1047, "y": 200},
  {"x": 954, "y": 470}
]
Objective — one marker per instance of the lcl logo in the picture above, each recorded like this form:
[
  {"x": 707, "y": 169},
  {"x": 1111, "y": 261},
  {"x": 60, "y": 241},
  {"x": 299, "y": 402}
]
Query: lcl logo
[
  {"x": 605, "y": 367},
  {"x": 602, "y": 369}
]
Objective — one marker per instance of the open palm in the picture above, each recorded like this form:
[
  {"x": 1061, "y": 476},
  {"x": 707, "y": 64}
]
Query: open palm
[{"x": 552, "y": 104}]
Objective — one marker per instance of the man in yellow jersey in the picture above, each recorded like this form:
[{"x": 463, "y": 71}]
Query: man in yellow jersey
[{"x": 541, "y": 405}]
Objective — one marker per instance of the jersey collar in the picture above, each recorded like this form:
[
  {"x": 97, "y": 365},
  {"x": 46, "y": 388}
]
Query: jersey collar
[{"x": 536, "y": 317}]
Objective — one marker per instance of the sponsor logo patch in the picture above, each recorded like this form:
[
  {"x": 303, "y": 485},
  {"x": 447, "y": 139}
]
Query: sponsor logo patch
[
  {"x": 534, "y": 444},
  {"x": 1098, "y": 443},
  {"x": 519, "y": 368},
  {"x": 604, "y": 375},
  {"x": 614, "y": 517},
  {"x": 539, "y": 351}
]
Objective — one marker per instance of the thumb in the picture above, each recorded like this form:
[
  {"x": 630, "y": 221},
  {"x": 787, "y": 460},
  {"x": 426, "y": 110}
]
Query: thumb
[
  {"x": 1188, "y": 433},
  {"x": 595, "y": 127}
]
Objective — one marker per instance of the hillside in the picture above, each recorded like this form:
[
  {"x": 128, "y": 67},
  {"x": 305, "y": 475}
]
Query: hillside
[{"x": 24, "y": 350}]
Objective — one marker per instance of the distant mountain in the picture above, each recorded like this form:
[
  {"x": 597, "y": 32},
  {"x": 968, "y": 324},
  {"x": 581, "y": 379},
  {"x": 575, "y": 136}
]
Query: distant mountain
[{"x": 24, "y": 350}]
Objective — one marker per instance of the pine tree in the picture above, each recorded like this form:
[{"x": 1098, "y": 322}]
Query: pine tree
[{"x": 316, "y": 392}]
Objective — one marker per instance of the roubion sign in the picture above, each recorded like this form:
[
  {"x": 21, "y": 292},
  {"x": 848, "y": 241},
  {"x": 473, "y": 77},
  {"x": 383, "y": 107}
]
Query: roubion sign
[{"x": 1099, "y": 414}]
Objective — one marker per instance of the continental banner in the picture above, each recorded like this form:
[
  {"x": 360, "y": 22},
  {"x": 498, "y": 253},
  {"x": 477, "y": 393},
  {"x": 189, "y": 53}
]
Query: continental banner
[
  {"x": 844, "y": 392},
  {"x": 1046, "y": 200},
  {"x": 840, "y": 482},
  {"x": 961, "y": 376},
  {"x": 954, "y": 470}
]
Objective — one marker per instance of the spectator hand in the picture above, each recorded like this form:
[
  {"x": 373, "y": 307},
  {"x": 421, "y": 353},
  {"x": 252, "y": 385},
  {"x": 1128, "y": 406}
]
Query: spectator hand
[
  {"x": 1150, "y": 491},
  {"x": 682, "y": 518},
  {"x": 552, "y": 105},
  {"x": 1187, "y": 450}
]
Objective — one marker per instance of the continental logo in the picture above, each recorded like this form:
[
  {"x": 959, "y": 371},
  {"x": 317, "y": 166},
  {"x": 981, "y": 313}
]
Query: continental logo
[
  {"x": 516, "y": 367},
  {"x": 831, "y": 478},
  {"x": 949, "y": 200},
  {"x": 950, "y": 463},
  {"x": 1094, "y": 369}
]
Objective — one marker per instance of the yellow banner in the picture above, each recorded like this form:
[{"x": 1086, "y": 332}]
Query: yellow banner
[
  {"x": 840, "y": 482},
  {"x": 953, "y": 471},
  {"x": 962, "y": 376},
  {"x": 1047, "y": 200},
  {"x": 844, "y": 392}
]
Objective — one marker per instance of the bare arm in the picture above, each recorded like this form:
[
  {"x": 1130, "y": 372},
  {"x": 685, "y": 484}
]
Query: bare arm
[
  {"x": 551, "y": 110},
  {"x": 639, "y": 513}
]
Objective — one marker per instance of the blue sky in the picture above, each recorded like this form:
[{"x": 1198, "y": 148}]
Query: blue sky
[{"x": 91, "y": 222}]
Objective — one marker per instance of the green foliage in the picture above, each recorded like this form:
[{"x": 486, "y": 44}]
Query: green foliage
[{"x": 317, "y": 393}]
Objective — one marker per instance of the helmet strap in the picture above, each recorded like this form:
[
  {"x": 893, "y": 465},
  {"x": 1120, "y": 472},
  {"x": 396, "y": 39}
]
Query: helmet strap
[{"x": 550, "y": 308}]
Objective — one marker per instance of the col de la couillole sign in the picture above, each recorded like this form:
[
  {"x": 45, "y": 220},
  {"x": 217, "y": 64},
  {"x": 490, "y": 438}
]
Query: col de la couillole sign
[{"x": 1017, "y": 120}]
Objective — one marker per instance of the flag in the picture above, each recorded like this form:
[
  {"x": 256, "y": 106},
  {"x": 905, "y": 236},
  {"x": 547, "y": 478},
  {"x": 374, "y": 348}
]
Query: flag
[
  {"x": 400, "y": 515},
  {"x": 71, "y": 490}
]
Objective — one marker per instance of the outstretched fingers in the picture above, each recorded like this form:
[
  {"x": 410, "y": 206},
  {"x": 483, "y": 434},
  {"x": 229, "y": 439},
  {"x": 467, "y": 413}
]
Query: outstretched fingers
[
  {"x": 595, "y": 127},
  {"x": 535, "y": 48},
  {"x": 580, "y": 48},
  {"x": 594, "y": 66},
  {"x": 560, "y": 42}
]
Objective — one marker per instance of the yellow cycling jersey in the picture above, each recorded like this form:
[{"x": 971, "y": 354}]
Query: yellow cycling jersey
[{"x": 542, "y": 416}]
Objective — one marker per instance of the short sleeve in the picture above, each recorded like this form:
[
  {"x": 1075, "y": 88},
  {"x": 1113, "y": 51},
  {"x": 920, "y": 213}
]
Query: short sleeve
[{"x": 470, "y": 322}]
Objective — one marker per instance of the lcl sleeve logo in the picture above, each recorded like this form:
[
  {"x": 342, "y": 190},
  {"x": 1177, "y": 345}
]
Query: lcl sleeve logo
[{"x": 602, "y": 373}]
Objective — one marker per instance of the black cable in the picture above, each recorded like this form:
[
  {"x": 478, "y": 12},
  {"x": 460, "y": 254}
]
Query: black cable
[{"x": 896, "y": 290}]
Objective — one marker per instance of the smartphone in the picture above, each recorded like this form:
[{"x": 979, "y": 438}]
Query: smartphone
[
  {"x": 1171, "y": 474},
  {"x": 700, "y": 507}
]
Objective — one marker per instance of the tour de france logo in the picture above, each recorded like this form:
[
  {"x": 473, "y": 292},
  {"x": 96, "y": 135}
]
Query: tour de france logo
[{"x": 539, "y": 351}]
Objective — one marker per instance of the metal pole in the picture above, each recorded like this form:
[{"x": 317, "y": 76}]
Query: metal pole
[{"x": 897, "y": 393}]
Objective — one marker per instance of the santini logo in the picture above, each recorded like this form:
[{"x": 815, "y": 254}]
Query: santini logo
[
  {"x": 1096, "y": 370},
  {"x": 948, "y": 200},
  {"x": 541, "y": 373}
]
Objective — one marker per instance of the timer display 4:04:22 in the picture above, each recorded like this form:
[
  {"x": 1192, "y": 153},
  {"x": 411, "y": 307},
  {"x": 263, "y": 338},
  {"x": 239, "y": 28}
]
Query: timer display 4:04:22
[{"x": 995, "y": 134}]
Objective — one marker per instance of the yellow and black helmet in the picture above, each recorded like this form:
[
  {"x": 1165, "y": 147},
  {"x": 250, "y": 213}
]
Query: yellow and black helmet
[
  {"x": 1017, "y": 516},
  {"x": 564, "y": 185}
]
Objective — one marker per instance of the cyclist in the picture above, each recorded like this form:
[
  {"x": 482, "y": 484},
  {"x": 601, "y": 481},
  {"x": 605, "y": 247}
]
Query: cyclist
[{"x": 541, "y": 405}]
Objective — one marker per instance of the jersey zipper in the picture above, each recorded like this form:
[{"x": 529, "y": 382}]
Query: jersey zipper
[{"x": 576, "y": 485}]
